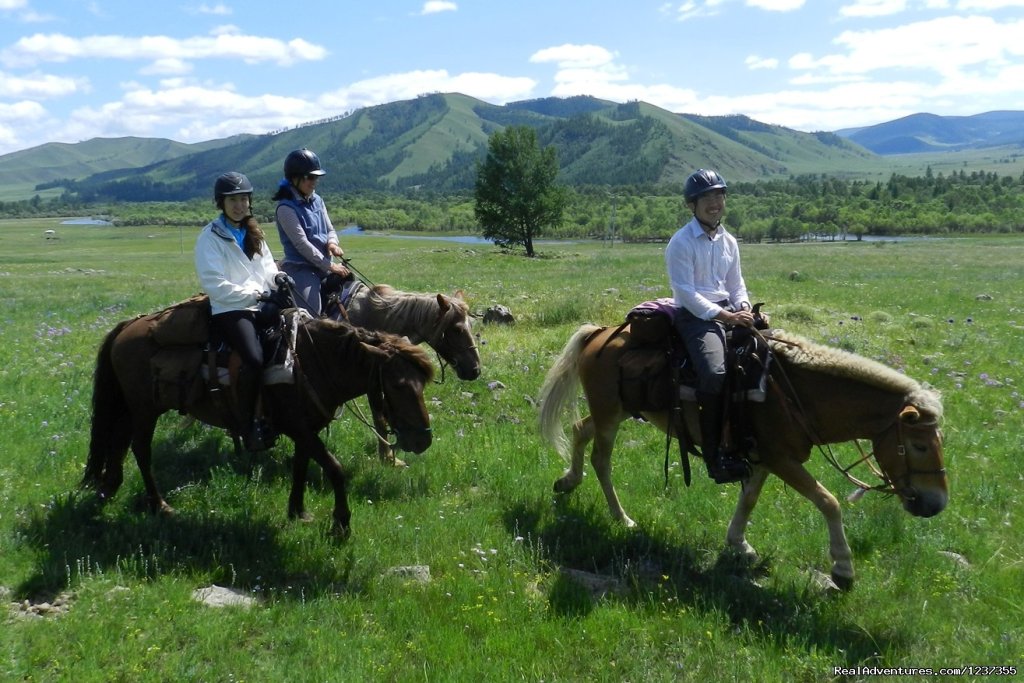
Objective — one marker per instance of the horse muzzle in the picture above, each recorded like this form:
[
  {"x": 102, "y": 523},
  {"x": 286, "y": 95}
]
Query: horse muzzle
[
  {"x": 414, "y": 440},
  {"x": 926, "y": 503}
]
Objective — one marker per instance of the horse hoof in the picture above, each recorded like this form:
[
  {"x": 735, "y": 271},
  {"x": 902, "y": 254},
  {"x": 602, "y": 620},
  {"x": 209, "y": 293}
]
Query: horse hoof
[
  {"x": 843, "y": 583},
  {"x": 300, "y": 516},
  {"x": 342, "y": 532},
  {"x": 397, "y": 463},
  {"x": 565, "y": 485}
]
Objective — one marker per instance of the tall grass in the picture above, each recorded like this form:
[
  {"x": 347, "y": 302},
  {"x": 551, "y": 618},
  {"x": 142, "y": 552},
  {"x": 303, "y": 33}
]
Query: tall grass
[{"x": 477, "y": 508}]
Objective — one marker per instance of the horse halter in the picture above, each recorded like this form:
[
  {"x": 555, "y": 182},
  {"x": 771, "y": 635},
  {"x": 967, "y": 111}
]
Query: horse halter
[
  {"x": 388, "y": 411},
  {"x": 436, "y": 337},
  {"x": 888, "y": 486}
]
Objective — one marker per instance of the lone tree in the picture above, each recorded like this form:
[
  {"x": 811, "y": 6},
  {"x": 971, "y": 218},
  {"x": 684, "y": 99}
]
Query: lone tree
[{"x": 516, "y": 195}]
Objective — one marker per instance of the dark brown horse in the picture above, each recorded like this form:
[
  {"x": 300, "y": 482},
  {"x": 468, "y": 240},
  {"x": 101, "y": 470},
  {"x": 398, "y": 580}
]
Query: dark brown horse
[
  {"x": 335, "y": 362},
  {"x": 443, "y": 322},
  {"x": 817, "y": 395}
]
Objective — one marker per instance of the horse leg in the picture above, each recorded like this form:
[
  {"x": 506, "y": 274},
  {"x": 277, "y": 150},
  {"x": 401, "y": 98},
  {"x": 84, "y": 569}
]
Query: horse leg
[
  {"x": 296, "y": 499},
  {"x": 794, "y": 474},
  {"x": 384, "y": 450},
  {"x": 601, "y": 459},
  {"x": 313, "y": 447},
  {"x": 582, "y": 434},
  {"x": 735, "y": 538},
  {"x": 142, "y": 448}
]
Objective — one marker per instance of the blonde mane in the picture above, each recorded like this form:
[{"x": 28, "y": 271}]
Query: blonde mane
[{"x": 803, "y": 352}]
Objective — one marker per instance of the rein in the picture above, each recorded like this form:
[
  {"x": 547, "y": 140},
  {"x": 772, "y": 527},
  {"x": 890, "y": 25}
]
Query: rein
[{"x": 867, "y": 458}]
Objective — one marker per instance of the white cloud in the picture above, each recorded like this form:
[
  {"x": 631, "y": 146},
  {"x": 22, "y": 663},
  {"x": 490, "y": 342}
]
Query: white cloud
[
  {"x": 569, "y": 56},
  {"x": 56, "y": 47},
  {"x": 777, "y": 5},
  {"x": 401, "y": 86},
  {"x": 873, "y": 8},
  {"x": 987, "y": 5},
  {"x": 12, "y": 4},
  {"x": 436, "y": 6},
  {"x": 39, "y": 86},
  {"x": 220, "y": 9},
  {"x": 754, "y": 62}
]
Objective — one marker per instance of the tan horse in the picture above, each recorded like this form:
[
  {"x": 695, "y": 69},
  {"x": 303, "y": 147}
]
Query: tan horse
[
  {"x": 335, "y": 363},
  {"x": 817, "y": 395},
  {"x": 443, "y": 322}
]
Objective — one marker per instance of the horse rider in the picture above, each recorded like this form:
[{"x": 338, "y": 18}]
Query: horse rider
[
  {"x": 237, "y": 270},
  {"x": 304, "y": 226},
  {"x": 703, "y": 262}
]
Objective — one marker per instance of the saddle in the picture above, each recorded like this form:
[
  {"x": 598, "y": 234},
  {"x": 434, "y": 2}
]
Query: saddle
[
  {"x": 188, "y": 362},
  {"x": 656, "y": 373}
]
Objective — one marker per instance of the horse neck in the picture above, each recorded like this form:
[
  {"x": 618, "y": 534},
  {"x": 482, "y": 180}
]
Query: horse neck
[
  {"x": 334, "y": 364},
  {"x": 410, "y": 315},
  {"x": 841, "y": 408}
]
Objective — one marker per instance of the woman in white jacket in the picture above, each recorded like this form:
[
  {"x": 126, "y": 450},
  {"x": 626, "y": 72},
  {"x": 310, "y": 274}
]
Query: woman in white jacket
[{"x": 237, "y": 271}]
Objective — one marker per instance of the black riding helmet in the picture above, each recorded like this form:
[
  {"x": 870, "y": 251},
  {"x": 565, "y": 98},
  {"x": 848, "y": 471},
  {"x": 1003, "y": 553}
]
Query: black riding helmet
[
  {"x": 701, "y": 182},
  {"x": 302, "y": 162},
  {"x": 230, "y": 183}
]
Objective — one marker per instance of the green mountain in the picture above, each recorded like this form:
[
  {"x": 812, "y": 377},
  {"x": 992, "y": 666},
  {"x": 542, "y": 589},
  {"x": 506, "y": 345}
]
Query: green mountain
[{"x": 434, "y": 141}]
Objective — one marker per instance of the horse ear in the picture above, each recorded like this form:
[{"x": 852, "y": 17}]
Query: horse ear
[
  {"x": 910, "y": 414},
  {"x": 459, "y": 295},
  {"x": 443, "y": 303}
]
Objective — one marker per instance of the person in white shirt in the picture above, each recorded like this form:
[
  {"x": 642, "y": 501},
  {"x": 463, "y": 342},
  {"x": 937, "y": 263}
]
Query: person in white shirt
[
  {"x": 238, "y": 272},
  {"x": 703, "y": 262}
]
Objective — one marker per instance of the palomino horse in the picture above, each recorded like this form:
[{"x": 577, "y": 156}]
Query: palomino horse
[
  {"x": 444, "y": 323},
  {"x": 817, "y": 395},
  {"x": 335, "y": 362}
]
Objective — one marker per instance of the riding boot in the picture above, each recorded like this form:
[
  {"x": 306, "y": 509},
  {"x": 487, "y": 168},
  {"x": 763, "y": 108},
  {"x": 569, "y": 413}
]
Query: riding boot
[
  {"x": 723, "y": 467},
  {"x": 247, "y": 394}
]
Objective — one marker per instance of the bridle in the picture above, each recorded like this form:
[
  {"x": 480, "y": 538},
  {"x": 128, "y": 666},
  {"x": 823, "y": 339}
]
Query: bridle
[
  {"x": 388, "y": 410},
  {"x": 436, "y": 337},
  {"x": 868, "y": 458}
]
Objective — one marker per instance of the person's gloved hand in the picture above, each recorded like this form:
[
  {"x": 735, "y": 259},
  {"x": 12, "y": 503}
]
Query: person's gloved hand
[{"x": 284, "y": 279}]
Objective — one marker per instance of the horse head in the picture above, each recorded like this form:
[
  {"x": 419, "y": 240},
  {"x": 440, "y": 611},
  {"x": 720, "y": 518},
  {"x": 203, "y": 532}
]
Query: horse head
[
  {"x": 909, "y": 453},
  {"x": 453, "y": 338},
  {"x": 403, "y": 370}
]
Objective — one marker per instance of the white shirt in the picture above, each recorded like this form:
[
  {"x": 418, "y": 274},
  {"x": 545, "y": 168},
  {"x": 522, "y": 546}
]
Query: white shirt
[{"x": 704, "y": 270}]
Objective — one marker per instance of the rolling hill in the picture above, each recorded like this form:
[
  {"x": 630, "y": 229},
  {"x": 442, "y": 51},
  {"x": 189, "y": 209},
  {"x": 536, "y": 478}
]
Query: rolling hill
[{"x": 433, "y": 142}]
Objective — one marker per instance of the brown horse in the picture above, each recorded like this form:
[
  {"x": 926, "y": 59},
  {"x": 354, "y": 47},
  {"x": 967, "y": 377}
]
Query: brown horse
[
  {"x": 817, "y": 395},
  {"x": 444, "y": 323},
  {"x": 335, "y": 362}
]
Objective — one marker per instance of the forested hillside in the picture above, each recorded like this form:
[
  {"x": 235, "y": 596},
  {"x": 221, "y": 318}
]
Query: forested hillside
[{"x": 779, "y": 210}]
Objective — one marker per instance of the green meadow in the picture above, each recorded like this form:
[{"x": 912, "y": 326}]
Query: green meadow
[{"x": 465, "y": 566}]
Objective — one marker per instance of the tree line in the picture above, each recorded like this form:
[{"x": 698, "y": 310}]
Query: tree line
[{"x": 774, "y": 210}]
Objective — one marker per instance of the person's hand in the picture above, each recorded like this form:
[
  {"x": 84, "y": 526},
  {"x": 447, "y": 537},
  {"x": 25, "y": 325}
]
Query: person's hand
[
  {"x": 340, "y": 270},
  {"x": 741, "y": 318},
  {"x": 282, "y": 279},
  {"x": 335, "y": 250}
]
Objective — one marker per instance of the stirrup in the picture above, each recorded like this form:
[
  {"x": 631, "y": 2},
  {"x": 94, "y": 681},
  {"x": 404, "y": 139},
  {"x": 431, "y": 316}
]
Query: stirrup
[
  {"x": 257, "y": 439},
  {"x": 726, "y": 469}
]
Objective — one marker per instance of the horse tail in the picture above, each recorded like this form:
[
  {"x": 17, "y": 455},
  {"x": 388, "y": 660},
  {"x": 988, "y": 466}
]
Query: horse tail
[
  {"x": 558, "y": 393},
  {"x": 110, "y": 433}
]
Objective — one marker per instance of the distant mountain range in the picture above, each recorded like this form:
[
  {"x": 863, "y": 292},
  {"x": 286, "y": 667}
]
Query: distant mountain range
[
  {"x": 433, "y": 142},
  {"x": 930, "y": 133}
]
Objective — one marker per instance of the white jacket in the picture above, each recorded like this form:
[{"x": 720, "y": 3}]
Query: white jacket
[{"x": 232, "y": 281}]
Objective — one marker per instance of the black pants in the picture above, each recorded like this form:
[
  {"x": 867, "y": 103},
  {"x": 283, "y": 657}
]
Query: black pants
[{"x": 240, "y": 329}]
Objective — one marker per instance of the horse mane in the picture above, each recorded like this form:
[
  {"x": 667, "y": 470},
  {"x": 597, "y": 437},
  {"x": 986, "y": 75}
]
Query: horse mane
[
  {"x": 802, "y": 352},
  {"x": 419, "y": 310},
  {"x": 383, "y": 340}
]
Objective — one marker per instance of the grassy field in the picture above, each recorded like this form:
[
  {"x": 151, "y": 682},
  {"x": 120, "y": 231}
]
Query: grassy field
[{"x": 504, "y": 554}]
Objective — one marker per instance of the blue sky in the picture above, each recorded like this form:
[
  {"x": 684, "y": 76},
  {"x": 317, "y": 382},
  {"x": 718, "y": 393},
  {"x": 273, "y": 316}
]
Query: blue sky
[{"x": 193, "y": 70}]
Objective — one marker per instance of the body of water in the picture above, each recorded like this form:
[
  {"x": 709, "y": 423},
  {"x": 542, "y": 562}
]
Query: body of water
[{"x": 85, "y": 221}]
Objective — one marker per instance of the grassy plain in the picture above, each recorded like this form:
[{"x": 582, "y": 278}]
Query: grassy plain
[{"x": 477, "y": 508}]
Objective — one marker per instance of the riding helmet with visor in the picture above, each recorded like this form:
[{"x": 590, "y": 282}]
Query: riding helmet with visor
[
  {"x": 228, "y": 184},
  {"x": 302, "y": 162},
  {"x": 701, "y": 182}
]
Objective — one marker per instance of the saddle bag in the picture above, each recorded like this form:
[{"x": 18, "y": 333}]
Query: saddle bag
[
  {"x": 651, "y": 323},
  {"x": 182, "y": 324},
  {"x": 177, "y": 383},
  {"x": 645, "y": 380}
]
